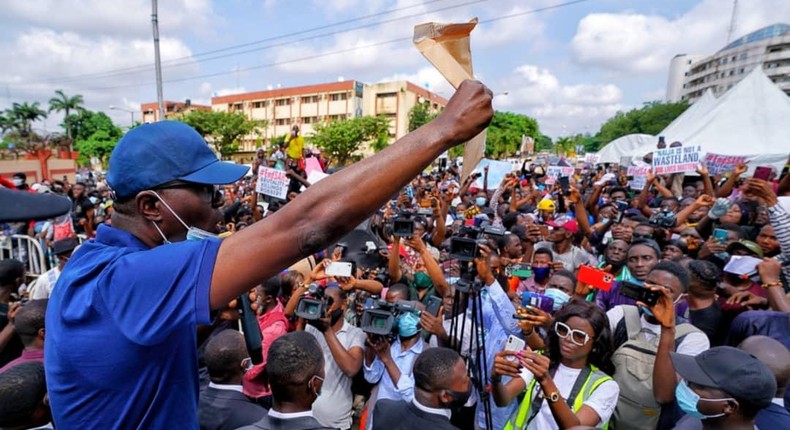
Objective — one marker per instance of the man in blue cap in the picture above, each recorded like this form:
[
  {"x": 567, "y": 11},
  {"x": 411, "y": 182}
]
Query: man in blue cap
[{"x": 121, "y": 321}]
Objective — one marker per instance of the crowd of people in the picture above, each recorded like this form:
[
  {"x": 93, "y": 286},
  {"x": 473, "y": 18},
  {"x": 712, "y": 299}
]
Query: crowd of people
[{"x": 535, "y": 303}]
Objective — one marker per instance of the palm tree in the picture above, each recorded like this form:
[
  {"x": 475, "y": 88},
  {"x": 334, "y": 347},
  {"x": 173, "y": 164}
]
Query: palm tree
[
  {"x": 563, "y": 145},
  {"x": 25, "y": 114},
  {"x": 66, "y": 104}
]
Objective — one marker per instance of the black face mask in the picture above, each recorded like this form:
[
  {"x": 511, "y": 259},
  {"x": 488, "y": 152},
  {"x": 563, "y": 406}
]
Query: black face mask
[
  {"x": 459, "y": 398},
  {"x": 336, "y": 315}
]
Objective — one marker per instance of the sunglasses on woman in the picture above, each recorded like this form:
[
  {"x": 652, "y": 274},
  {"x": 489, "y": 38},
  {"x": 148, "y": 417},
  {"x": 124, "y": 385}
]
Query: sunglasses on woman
[{"x": 578, "y": 337}]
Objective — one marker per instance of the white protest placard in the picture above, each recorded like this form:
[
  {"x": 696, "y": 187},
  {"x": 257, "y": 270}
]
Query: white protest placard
[
  {"x": 272, "y": 182},
  {"x": 638, "y": 177},
  {"x": 718, "y": 164},
  {"x": 676, "y": 160},
  {"x": 314, "y": 177},
  {"x": 496, "y": 172},
  {"x": 590, "y": 158},
  {"x": 559, "y": 171}
]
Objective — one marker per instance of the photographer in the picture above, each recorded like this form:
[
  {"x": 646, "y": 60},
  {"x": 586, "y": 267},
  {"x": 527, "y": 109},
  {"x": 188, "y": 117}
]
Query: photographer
[
  {"x": 422, "y": 284},
  {"x": 393, "y": 358},
  {"x": 343, "y": 347}
]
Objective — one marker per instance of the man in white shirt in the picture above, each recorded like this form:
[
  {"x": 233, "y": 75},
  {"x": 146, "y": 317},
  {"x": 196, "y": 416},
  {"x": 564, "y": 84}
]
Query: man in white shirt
[
  {"x": 42, "y": 287},
  {"x": 343, "y": 346},
  {"x": 658, "y": 326}
]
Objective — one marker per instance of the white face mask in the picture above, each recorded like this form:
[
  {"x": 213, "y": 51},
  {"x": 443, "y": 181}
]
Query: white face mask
[
  {"x": 193, "y": 233},
  {"x": 17, "y": 182}
]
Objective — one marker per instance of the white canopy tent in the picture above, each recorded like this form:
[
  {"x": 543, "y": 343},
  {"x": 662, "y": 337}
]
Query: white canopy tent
[
  {"x": 689, "y": 117},
  {"x": 625, "y": 145}
]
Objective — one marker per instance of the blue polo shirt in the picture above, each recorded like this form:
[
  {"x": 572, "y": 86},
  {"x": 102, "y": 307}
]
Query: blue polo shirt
[{"x": 121, "y": 339}]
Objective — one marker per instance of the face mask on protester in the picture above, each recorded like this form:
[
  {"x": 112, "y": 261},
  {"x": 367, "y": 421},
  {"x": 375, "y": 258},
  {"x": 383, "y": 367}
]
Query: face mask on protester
[
  {"x": 480, "y": 201},
  {"x": 560, "y": 297},
  {"x": 688, "y": 400},
  {"x": 193, "y": 233},
  {"x": 459, "y": 398},
  {"x": 408, "y": 324},
  {"x": 541, "y": 273},
  {"x": 17, "y": 182}
]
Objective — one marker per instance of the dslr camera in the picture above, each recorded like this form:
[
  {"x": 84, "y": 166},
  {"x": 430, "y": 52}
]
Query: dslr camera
[
  {"x": 465, "y": 246},
  {"x": 663, "y": 219},
  {"x": 313, "y": 304},
  {"x": 379, "y": 316}
]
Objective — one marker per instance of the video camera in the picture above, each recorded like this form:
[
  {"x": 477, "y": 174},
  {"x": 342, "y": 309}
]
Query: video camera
[
  {"x": 379, "y": 317},
  {"x": 313, "y": 304},
  {"x": 464, "y": 247},
  {"x": 663, "y": 219},
  {"x": 403, "y": 221}
]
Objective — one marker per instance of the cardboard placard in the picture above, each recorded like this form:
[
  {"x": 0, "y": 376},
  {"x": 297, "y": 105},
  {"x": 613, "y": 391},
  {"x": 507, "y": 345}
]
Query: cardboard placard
[
  {"x": 446, "y": 46},
  {"x": 272, "y": 182},
  {"x": 676, "y": 160},
  {"x": 718, "y": 164},
  {"x": 639, "y": 177},
  {"x": 558, "y": 171}
]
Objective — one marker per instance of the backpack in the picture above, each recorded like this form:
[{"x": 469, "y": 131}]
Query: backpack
[
  {"x": 63, "y": 228},
  {"x": 634, "y": 359}
]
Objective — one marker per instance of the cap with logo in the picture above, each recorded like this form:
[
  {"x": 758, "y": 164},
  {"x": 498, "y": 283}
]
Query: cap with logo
[
  {"x": 734, "y": 371},
  {"x": 546, "y": 205},
  {"x": 565, "y": 221},
  {"x": 161, "y": 152}
]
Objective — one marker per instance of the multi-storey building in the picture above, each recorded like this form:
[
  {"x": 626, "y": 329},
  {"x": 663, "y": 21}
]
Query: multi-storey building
[
  {"x": 308, "y": 105},
  {"x": 150, "y": 111},
  {"x": 768, "y": 48}
]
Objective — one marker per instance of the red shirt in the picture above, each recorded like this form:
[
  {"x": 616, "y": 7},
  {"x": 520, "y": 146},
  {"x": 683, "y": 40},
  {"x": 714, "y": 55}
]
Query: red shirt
[
  {"x": 28, "y": 356},
  {"x": 273, "y": 324}
]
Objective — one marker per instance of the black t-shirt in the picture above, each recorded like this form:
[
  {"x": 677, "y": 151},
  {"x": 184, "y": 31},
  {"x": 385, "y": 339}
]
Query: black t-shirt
[{"x": 712, "y": 322}]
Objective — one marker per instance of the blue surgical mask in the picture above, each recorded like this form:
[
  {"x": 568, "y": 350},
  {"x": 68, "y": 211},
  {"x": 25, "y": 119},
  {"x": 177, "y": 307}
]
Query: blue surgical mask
[
  {"x": 193, "y": 233},
  {"x": 560, "y": 297},
  {"x": 688, "y": 399},
  {"x": 541, "y": 273},
  {"x": 480, "y": 201},
  {"x": 408, "y": 324}
]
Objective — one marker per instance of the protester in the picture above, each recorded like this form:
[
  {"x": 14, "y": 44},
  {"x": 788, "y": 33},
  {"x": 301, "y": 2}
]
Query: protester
[
  {"x": 579, "y": 352},
  {"x": 222, "y": 406},
  {"x": 296, "y": 374},
  {"x": 29, "y": 326},
  {"x": 441, "y": 385},
  {"x": 62, "y": 249},
  {"x": 723, "y": 386},
  {"x": 23, "y": 398},
  {"x": 777, "y": 358}
]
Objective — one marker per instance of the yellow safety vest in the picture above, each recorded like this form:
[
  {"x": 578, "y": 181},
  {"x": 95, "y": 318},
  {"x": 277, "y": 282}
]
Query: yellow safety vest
[{"x": 593, "y": 380}]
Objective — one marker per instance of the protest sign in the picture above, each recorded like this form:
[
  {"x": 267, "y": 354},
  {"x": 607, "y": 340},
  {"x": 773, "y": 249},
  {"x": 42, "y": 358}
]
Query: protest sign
[
  {"x": 676, "y": 160},
  {"x": 272, "y": 182},
  {"x": 718, "y": 164},
  {"x": 590, "y": 158},
  {"x": 447, "y": 47},
  {"x": 638, "y": 177},
  {"x": 496, "y": 172},
  {"x": 558, "y": 171}
]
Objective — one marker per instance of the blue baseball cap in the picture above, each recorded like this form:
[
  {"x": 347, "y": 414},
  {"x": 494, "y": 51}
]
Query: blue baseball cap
[{"x": 161, "y": 152}]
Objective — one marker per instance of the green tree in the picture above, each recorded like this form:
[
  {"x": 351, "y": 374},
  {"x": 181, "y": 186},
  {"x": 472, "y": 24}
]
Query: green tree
[
  {"x": 420, "y": 115},
  {"x": 649, "y": 119},
  {"x": 65, "y": 104},
  {"x": 543, "y": 143},
  {"x": 223, "y": 130},
  {"x": 94, "y": 135},
  {"x": 505, "y": 132},
  {"x": 25, "y": 114},
  {"x": 341, "y": 139}
]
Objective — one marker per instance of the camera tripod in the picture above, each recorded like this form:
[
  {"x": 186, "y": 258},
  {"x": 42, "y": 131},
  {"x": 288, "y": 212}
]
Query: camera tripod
[{"x": 470, "y": 288}]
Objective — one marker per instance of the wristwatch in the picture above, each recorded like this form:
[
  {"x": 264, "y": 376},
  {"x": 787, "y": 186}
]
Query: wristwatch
[{"x": 553, "y": 397}]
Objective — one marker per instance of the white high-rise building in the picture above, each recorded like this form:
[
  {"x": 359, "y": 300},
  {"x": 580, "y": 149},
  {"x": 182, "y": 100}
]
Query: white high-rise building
[
  {"x": 678, "y": 68},
  {"x": 767, "y": 47}
]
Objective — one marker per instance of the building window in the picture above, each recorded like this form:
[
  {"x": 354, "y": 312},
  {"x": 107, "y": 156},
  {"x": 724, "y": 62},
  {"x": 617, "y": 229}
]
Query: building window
[
  {"x": 338, "y": 96},
  {"x": 310, "y": 99},
  {"x": 281, "y": 121},
  {"x": 732, "y": 72},
  {"x": 309, "y": 119},
  {"x": 338, "y": 117},
  {"x": 282, "y": 102},
  {"x": 258, "y": 105},
  {"x": 741, "y": 70},
  {"x": 724, "y": 60},
  {"x": 742, "y": 56}
]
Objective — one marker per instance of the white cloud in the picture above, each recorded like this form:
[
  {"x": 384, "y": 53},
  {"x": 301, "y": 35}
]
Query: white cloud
[
  {"x": 633, "y": 43},
  {"x": 559, "y": 109},
  {"x": 126, "y": 18},
  {"x": 427, "y": 77}
]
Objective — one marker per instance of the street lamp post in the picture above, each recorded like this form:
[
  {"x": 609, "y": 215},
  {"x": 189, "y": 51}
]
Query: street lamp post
[{"x": 131, "y": 112}]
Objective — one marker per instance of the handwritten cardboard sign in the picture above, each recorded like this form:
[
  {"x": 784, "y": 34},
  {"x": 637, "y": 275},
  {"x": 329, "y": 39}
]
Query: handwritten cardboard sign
[
  {"x": 638, "y": 177},
  {"x": 718, "y": 164}
]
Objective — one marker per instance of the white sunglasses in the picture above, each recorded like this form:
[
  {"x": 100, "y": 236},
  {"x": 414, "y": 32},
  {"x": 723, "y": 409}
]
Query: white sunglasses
[{"x": 578, "y": 337}]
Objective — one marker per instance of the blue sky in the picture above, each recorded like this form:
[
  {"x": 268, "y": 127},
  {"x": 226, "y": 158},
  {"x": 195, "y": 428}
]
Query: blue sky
[{"x": 571, "y": 65}]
